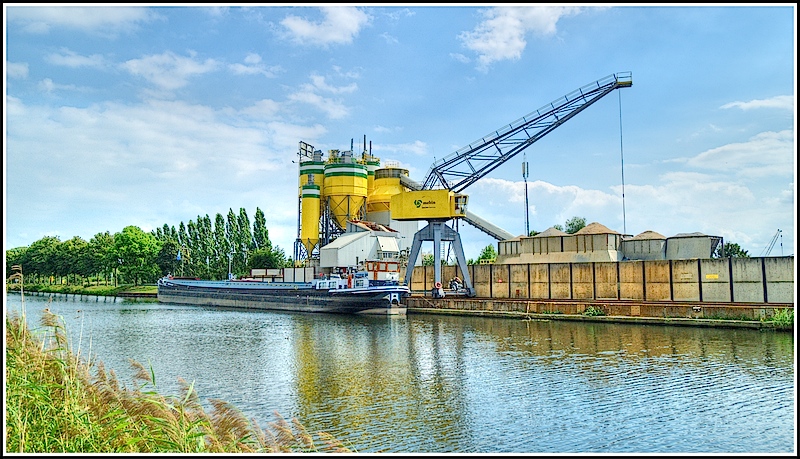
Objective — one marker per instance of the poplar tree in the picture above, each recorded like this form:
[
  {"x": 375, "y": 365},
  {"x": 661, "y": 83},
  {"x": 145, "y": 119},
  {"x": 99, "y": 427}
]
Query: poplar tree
[{"x": 260, "y": 231}]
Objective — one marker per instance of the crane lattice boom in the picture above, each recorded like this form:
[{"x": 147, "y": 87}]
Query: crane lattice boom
[{"x": 464, "y": 167}]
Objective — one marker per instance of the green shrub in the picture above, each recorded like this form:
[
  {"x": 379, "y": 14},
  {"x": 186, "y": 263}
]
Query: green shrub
[
  {"x": 783, "y": 319},
  {"x": 594, "y": 311}
]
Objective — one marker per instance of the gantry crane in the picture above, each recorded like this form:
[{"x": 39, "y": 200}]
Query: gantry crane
[
  {"x": 768, "y": 249},
  {"x": 439, "y": 199}
]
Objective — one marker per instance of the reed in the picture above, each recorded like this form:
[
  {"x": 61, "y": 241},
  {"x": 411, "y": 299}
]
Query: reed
[{"x": 58, "y": 402}]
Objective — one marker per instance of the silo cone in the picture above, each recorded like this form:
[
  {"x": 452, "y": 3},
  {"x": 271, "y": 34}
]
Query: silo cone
[
  {"x": 309, "y": 225},
  {"x": 346, "y": 189}
]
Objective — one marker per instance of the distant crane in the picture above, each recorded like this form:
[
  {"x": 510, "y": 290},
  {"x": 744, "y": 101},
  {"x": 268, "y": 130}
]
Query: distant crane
[{"x": 768, "y": 249}]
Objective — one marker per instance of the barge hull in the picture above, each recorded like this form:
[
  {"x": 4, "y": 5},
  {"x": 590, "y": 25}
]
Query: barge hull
[{"x": 301, "y": 300}]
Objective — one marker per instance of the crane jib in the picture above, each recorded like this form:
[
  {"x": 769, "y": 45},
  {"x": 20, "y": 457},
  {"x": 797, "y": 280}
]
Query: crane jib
[{"x": 465, "y": 166}]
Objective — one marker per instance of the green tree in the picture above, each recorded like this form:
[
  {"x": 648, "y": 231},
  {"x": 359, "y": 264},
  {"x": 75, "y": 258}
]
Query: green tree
[
  {"x": 260, "y": 231},
  {"x": 488, "y": 253},
  {"x": 101, "y": 254},
  {"x": 572, "y": 225},
  {"x": 266, "y": 258},
  {"x": 137, "y": 252},
  {"x": 167, "y": 258},
  {"x": 244, "y": 241},
  {"x": 40, "y": 258},
  {"x": 219, "y": 261},
  {"x": 730, "y": 249}
]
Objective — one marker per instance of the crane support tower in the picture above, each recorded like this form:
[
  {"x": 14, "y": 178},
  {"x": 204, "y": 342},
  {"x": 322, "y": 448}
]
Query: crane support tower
[{"x": 455, "y": 172}]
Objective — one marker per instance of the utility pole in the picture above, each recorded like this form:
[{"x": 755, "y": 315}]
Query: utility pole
[{"x": 525, "y": 178}]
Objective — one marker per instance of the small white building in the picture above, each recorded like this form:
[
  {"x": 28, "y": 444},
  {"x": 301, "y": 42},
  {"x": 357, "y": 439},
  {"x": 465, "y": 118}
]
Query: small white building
[{"x": 360, "y": 243}]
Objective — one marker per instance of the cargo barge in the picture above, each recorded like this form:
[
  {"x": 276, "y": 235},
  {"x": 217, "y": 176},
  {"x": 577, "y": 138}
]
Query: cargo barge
[{"x": 352, "y": 293}]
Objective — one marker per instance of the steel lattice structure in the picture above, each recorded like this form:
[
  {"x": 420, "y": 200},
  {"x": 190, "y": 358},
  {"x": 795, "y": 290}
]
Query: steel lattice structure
[{"x": 467, "y": 165}]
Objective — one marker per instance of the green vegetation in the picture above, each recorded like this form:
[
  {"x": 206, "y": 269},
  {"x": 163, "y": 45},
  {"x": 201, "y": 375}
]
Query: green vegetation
[
  {"x": 99, "y": 290},
  {"x": 488, "y": 254},
  {"x": 593, "y": 310},
  {"x": 55, "y": 405},
  {"x": 730, "y": 249},
  {"x": 133, "y": 256},
  {"x": 783, "y": 319},
  {"x": 573, "y": 225}
]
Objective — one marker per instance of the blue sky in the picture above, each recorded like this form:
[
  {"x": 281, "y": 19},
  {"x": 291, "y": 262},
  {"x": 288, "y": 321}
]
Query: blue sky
[{"x": 129, "y": 115}]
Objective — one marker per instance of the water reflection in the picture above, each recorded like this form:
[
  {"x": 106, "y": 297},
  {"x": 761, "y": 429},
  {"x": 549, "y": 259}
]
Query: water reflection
[{"x": 461, "y": 384}]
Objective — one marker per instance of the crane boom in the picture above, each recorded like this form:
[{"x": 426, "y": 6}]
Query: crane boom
[
  {"x": 465, "y": 166},
  {"x": 768, "y": 249}
]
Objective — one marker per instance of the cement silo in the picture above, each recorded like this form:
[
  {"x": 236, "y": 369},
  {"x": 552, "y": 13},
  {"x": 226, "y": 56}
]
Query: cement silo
[{"x": 345, "y": 188}]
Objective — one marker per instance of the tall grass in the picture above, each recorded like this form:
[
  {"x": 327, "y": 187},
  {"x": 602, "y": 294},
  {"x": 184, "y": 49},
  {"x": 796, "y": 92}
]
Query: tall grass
[{"x": 56, "y": 402}]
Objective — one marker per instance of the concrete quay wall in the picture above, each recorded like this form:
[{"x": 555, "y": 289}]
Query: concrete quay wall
[
  {"x": 645, "y": 312},
  {"x": 761, "y": 280}
]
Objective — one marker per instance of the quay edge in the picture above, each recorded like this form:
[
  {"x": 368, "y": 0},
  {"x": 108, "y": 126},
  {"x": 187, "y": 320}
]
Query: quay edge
[{"x": 722, "y": 315}]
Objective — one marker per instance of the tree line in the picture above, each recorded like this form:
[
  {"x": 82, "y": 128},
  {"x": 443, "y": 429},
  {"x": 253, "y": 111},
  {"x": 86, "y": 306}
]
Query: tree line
[{"x": 201, "y": 248}]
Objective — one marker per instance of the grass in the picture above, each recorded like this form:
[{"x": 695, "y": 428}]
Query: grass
[
  {"x": 100, "y": 290},
  {"x": 56, "y": 402}
]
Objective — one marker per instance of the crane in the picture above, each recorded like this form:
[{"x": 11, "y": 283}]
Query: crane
[
  {"x": 439, "y": 197},
  {"x": 768, "y": 249}
]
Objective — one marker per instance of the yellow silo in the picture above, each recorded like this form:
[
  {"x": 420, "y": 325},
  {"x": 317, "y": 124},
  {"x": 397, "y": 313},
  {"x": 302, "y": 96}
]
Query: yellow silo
[
  {"x": 311, "y": 172},
  {"x": 387, "y": 184},
  {"x": 309, "y": 225},
  {"x": 372, "y": 163},
  {"x": 345, "y": 188}
]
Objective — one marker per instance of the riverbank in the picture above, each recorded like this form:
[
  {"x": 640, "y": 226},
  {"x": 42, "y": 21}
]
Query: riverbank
[
  {"x": 53, "y": 405},
  {"x": 754, "y": 316},
  {"x": 125, "y": 290},
  {"x": 704, "y": 314}
]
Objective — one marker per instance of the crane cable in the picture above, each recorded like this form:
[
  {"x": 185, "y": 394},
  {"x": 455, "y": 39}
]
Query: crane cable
[{"x": 622, "y": 164}]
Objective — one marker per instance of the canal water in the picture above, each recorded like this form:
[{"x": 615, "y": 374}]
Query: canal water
[{"x": 449, "y": 384}]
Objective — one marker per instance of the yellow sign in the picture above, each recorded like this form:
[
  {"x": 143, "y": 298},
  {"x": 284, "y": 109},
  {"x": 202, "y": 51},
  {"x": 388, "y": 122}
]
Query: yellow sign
[
  {"x": 712, "y": 276},
  {"x": 428, "y": 204}
]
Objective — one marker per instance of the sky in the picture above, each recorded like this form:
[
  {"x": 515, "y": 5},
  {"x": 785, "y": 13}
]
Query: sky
[{"x": 123, "y": 115}]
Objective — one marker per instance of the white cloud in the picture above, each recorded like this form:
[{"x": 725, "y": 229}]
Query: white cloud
[
  {"x": 318, "y": 84},
  {"x": 265, "y": 108},
  {"x": 17, "y": 70},
  {"x": 104, "y": 20},
  {"x": 309, "y": 94},
  {"x": 332, "y": 108},
  {"x": 501, "y": 35},
  {"x": 417, "y": 148},
  {"x": 47, "y": 85},
  {"x": 779, "y": 102},
  {"x": 184, "y": 157},
  {"x": 72, "y": 59},
  {"x": 339, "y": 26},
  {"x": 168, "y": 70},
  {"x": 766, "y": 154},
  {"x": 253, "y": 66}
]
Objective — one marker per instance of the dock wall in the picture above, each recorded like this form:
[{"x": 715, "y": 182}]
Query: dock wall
[{"x": 763, "y": 280}]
